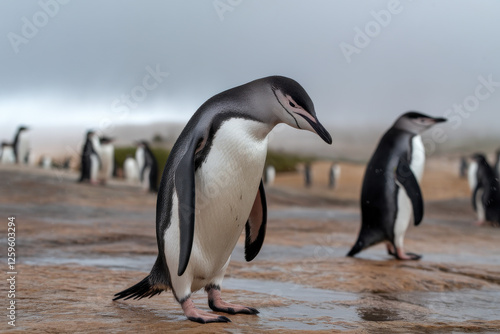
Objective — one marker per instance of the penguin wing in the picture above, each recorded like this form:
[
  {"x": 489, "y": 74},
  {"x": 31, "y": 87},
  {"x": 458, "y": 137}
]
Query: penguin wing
[
  {"x": 185, "y": 187},
  {"x": 405, "y": 176},
  {"x": 474, "y": 195},
  {"x": 255, "y": 228}
]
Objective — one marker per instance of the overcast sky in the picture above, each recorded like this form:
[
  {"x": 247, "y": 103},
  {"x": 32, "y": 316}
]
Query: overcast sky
[{"x": 65, "y": 63}]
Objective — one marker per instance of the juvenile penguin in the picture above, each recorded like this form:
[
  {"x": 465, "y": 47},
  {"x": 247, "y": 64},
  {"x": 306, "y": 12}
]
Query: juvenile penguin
[
  {"x": 211, "y": 190},
  {"x": 148, "y": 166},
  {"x": 107, "y": 155},
  {"x": 21, "y": 145},
  {"x": 89, "y": 160},
  {"x": 390, "y": 195},
  {"x": 485, "y": 190}
]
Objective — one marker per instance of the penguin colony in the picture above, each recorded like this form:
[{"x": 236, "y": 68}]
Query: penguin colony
[{"x": 226, "y": 139}]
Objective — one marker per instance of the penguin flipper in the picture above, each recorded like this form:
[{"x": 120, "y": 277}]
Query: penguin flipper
[
  {"x": 474, "y": 195},
  {"x": 255, "y": 228},
  {"x": 405, "y": 176},
  {"x": 185, "y": 188}
]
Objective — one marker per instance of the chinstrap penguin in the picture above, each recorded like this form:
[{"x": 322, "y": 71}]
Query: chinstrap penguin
[
  {"x": 107, "y": 156},
  {"x": 148, "y": 166},
  {"x": 90, "y": 159},
  {"x": 485, "y": 190},
  {"x": 211, "y": 190},
  {"x": 21, "y": 145},
  {"x": 390, "y": 195}
]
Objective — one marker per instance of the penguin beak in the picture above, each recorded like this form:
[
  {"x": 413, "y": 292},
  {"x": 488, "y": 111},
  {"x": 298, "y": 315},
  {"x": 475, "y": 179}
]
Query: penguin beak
[
  {"x": 439, "y": 120},
  {"x": 319, "y": 129}
]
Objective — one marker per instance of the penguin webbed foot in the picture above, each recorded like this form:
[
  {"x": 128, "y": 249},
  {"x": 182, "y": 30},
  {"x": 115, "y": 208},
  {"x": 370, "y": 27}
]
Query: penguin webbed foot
[
  {"x": 401, "y": 255},
  {"x": 216, "y": 303},
  {"x": 202, "y": 317}
]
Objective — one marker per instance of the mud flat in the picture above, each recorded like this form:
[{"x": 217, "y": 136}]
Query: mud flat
[{"x": 77, "y": 245}]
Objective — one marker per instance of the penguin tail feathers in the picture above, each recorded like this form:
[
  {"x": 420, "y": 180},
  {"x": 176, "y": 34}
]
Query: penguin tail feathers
[
  {"x": 142, "y": 289},
  {"x": 358, "y": 247}
]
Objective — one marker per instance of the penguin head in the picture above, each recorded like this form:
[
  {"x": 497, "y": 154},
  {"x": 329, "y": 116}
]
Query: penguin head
[
  {"x": 416, "y": 122},
  {"x": 106, "y": 140},
  {"x": 142, "y": 143},
  {"x": 293, "y": 106},
  {"x": 479, "y": 158},
  {"x": 90, "y": 134}
]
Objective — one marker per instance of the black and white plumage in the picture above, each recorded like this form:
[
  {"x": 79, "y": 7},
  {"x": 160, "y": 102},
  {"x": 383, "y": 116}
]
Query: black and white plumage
[
  {"x": 148, "y": 166},
  {"x": 21, "y": 145},
  {"x": 390, "y": 195},
  {"x": 90, "y": 160},
  {"x": 107, "y": 157},
  {"x": 485, "y": 189},
  {"x": 211, "y": 190}
]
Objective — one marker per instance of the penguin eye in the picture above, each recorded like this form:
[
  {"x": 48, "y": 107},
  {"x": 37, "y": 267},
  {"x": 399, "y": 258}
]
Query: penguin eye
[{"x": 291, "y": 104}]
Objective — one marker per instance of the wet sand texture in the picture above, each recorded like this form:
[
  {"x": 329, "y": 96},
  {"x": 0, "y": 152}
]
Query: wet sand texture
[{"x": 80, "y": 244}]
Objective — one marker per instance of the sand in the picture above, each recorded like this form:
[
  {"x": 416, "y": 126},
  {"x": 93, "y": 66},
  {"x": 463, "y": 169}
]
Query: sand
[{"x": 79, "y": 244}]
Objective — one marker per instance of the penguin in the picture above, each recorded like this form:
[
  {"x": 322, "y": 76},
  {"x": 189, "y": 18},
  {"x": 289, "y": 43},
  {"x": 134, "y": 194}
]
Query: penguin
[
  {"x": 390, "y": 195},
  {"x": 46, "y": 162},
  {"x": 333, "y": 175},
  {"x": 463, "y": 167},
  {"x": 307, "y": 175},
  {"x": 90, "y": 159},
  {"x": 107, "y": 156},
  {"x": 485, "y": 190},
  {"x": 8, "y": 155},
  {"x": 269, "y": 175},
  {"x": 148, "y": 166},
  {"x": 211, "y": 190},
  {"x": 21, "y": 145},
  {"x": 130, "y": 169}
]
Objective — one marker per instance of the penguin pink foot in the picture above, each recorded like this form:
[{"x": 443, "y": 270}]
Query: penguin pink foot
[
  {"x": 401, "y": 255},
  {"x": 196, "y": 315},
  {"x": 218, "y": 305}
]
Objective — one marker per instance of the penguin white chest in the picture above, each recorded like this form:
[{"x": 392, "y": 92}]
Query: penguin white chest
[
  {"x": 472, "y": 175},
  {"x": 405, "y": 209},
  {"x": 226, "y": 186},
  {"x": 417, "y": 157}
]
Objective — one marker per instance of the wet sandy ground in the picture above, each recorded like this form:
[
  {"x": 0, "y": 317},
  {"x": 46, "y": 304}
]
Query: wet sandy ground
[{"x": 77, "y": 245}]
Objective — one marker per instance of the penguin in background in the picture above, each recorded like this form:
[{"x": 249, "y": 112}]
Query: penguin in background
[
  {"x": 390, "y": 195},
  {"x": 21, "y": 145},
  {"x": 130, "y": 169},
  {"x": 485, "y": 190},
  {"x": 464, "y": 167},
  {"x": 89, "y": 159},
  {"x": 269, "y": 175},
  {"x": 148, "y": 166},
  {"x": 107, "y": 156},
  {"x": 8, "y": 156},
  {"x": 307, "y": 175},
  {"x": 333, "y": 175},
  {"x": 211, "y": 190}
]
